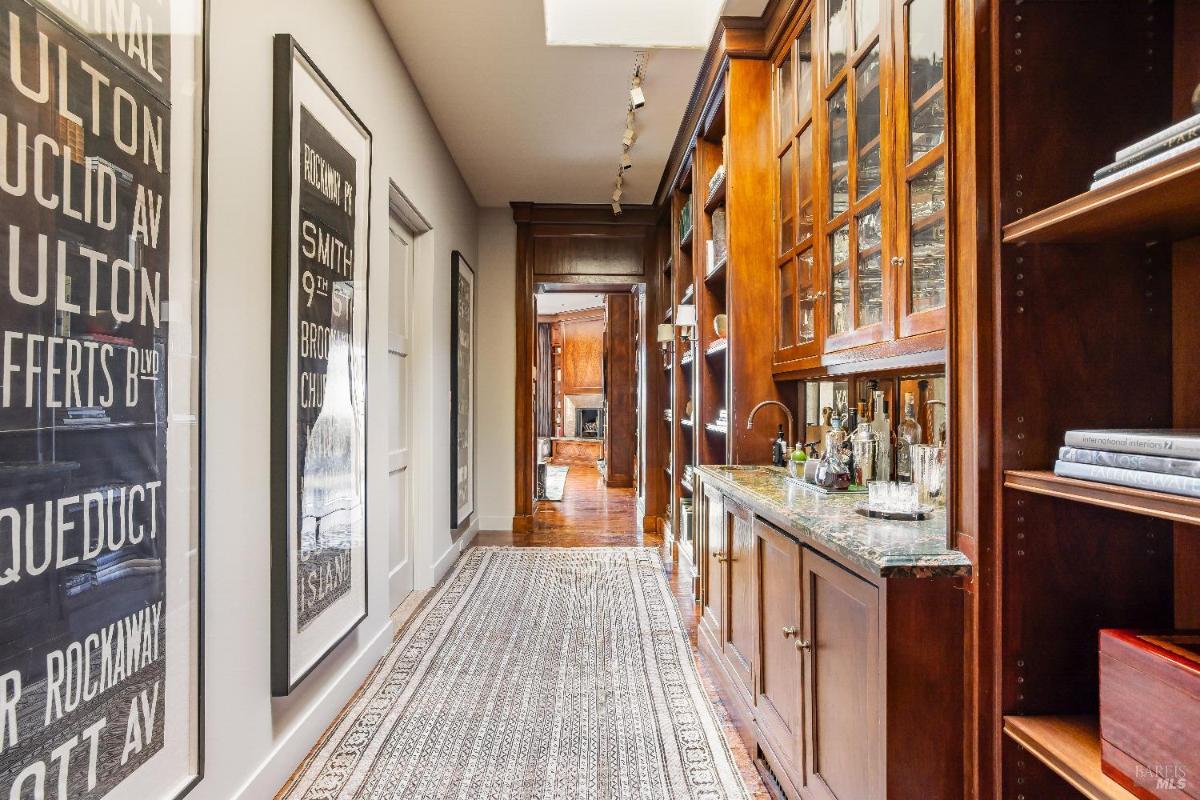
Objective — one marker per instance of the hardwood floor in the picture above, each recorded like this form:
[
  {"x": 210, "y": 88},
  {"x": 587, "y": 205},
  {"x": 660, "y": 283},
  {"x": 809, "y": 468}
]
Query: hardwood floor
[{"x": 593, "y": 515}]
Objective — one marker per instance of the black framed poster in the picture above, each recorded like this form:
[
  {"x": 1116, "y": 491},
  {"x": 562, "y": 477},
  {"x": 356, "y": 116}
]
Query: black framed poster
[
  {"x": 322, "y": 190},
  {"x": 101, "y": 230},
  {"x": 462, "y": 392}
]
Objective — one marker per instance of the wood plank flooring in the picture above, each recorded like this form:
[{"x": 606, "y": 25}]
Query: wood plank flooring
[{"x": 593, "y": 515}]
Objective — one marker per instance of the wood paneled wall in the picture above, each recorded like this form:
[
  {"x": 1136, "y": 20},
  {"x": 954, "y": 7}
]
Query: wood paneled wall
[
  {"x": 583, "y": 352},
  {"x": 620, "y": 439}
]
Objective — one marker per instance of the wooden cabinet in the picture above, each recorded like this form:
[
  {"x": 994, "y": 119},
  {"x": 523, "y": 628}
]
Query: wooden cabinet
[
  {"x": 779, "y": 698},
  {"x": 711, "y": 519},
  {"x": 741, "y": 606},
  {"x": 861, "y": 176},
  {"x": 841, "y": 633},
  {"x": 844, "y": 685}
]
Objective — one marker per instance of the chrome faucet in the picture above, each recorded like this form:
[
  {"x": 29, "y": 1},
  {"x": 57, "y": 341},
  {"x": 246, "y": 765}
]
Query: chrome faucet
[{"x": 790, "y": 420}]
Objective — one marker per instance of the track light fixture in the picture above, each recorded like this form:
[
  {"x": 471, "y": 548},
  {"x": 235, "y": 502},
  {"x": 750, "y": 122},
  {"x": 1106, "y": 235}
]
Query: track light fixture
[{"x": 637, "y": 99}]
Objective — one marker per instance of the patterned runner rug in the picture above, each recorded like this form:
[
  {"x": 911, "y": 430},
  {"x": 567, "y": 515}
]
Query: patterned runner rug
[{"x": 532, "y": 673}]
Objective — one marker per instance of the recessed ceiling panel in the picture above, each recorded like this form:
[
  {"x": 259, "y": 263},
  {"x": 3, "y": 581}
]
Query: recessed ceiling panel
[{"x": 631, "y": 23}]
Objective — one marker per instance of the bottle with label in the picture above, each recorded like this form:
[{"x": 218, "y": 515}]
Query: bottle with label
[
  {"x": 882, "y": 427},
  {"x": 779, "y": 450},
  {"x": 908, "y": 435}
]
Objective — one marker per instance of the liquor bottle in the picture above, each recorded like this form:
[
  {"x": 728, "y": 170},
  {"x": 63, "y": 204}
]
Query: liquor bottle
[
  {"x": 908, "y": 435},
  {"x": 779, "y": 450},
  {"x": 882, "y": 426}
]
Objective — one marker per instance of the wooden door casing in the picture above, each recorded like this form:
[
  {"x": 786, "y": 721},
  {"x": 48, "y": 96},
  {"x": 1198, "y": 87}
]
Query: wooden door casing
[
  {"x": 843, "y": 694},
  {"x": 779, "y": 663},
  {"x": 739, "y": 635}
]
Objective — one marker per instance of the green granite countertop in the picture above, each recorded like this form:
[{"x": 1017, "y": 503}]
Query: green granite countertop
[{"x": 882, "y": 547}]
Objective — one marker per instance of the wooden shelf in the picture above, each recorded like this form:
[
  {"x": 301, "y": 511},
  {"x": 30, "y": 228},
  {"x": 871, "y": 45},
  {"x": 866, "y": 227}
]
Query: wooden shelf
[
  {"x": 718, "y": 347},
  {"x": 720, "y": 430},
  {"x": 1070, "y": 746},
  {"x": 689, "y": 294},
  {"x": 1136, "y": 501},
  {"x": 716, "y": 198},
  {"x": 686, "y": 360},
  {"x": 684, "y": 483},
  {"x": 685, "y": 241},
  {"x": 667, "y": 266},
  {"x": 686, "y": 422},
  {"x": 1161, "y": 202},
  {"x": 717, "y": 273}
]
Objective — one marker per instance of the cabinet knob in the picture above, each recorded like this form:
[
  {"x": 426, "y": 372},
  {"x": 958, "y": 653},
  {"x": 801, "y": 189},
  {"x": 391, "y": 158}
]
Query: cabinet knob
[
  {"x": 897, "y": 261},
  {"x": 802, "y": 644},
  {"x": 720, "y": 556},
  {"x": 789, "y": 631}
]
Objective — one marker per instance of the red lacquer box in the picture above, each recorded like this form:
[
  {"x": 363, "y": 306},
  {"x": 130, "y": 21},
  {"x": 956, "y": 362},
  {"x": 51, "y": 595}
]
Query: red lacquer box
[{"x": 1150, "y": 712}]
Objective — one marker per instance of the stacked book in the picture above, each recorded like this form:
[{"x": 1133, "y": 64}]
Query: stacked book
[
  {"x": 1160, "y": 460},
  {"x": 1179, "y": 138}
]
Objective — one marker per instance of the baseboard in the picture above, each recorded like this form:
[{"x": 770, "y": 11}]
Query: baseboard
[
  {"x": 502, "y": 523},
  {"x": 464, "y": 541},
  {"x": 442, "y": 565},
  {"x": 294, "y": 745},
  {"x": 522, "y": 523}
]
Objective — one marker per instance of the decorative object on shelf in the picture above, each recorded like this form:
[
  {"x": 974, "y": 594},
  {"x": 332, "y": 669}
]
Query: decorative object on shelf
[
  {"x": 721, "y": 325},
  {"x": 102, "y": 550},
  {"x": 685, "y": 320},
  {"x": 929, "y": 473},
  {"x": 1145, "y": 676},
  {"x": 719, "y": 236},
  {"x": 687, "y": 408},
  {"x": 685, "y": 220},
  {"x": 322, "y": 179},
  {"x": 714, "y": 183}
]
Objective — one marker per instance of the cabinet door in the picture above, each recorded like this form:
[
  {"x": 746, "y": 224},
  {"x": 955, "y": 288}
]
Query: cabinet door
[
  {"x": 779, "y": 701},
  {"x": 800, "y": 314},
  {"x": 844, "y": 686},
  {"x": 921, "y": 166},
  {"x": 859, "y": 211},
  {"x": 713, "y": 589},
  {"x": 740, "y": 608}
]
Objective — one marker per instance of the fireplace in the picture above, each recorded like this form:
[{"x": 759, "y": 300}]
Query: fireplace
[{"x": 589, "y": 423}]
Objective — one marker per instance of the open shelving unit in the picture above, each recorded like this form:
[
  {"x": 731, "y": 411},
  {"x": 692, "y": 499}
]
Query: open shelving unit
[{"x": 1095, "y": 328}]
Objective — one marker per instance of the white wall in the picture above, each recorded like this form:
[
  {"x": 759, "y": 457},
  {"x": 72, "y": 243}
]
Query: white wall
[
  {"x": 254, "y": 742},
  {"x": 497, "y": 270}
]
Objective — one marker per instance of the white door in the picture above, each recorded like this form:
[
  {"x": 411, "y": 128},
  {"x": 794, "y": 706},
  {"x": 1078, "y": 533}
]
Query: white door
[{"x": 400, "y": 280}]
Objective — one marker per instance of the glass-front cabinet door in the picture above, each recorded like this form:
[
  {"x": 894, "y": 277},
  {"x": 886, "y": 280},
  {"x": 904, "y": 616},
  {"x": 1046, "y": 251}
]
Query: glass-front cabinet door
[
  {"x": 800, "y": 312},
  {"x": 857, "y": 146},
  {"x": 921, "y": 66}
]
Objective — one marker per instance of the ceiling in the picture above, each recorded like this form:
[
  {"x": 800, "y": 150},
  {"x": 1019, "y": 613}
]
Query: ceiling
[
  {"x": 528, "y": 121},
  {"x": 550, "y": 303}
]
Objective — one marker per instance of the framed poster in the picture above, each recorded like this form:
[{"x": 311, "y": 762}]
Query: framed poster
[
  {"x": 462, "y": 392},
  {"x": 102, "y": 230},
  {"x": 321, "y": 237}
]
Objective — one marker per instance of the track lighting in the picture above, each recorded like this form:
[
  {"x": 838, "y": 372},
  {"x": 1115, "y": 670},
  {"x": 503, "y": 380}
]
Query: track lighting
[
  {"x": 616, "y": 207},
  {"x": 629, "y": 138},
  {"x": 616, "y": 196},
  {"x": 637, "y": 97},
  {"x": 626, "y": 161}
]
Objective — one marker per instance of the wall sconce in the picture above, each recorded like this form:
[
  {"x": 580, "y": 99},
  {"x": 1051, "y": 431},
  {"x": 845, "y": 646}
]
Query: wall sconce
[
  {"x": 666, "y": 335},
  {"x": 685, "y": 319}
]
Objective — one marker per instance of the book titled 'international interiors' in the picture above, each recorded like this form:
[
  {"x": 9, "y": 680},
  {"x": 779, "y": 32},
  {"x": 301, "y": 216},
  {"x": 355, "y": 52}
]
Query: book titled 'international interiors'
[{"x": 1168, "y": 442}]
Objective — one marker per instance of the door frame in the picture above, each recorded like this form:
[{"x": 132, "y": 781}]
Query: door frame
[
  {"x": 421, "y": 444},
  {"x": 559, "y": 224},
  {"x": 398, "y": 227}
]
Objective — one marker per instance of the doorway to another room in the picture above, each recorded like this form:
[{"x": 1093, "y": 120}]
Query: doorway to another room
[{"x": 586, "y": 412}]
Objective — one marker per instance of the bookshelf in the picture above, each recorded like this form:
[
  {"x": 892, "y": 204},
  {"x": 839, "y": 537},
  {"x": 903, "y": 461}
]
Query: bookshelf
[
  {"x": 1070, "y": 747},
  {"x": 1092, "y": 302}
]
